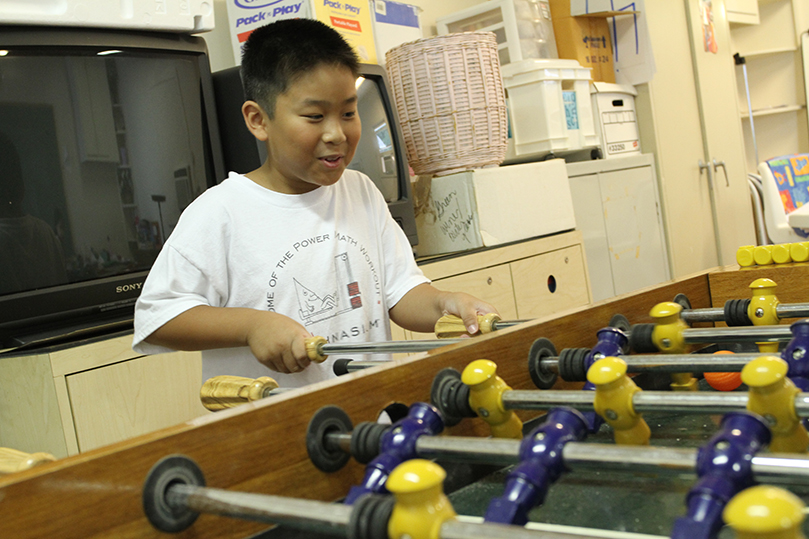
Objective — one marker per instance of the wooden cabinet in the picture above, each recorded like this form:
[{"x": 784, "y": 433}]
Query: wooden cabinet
[
  {"x": 774, "y": 77},
  {"x": 689, "y": 120},
  {"x": 524, "y": 280},
  {"x": 65, "y": 401}
]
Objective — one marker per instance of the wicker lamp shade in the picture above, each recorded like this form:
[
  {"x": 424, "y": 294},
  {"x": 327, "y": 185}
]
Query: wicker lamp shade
[{"x": 450, "y": 100}]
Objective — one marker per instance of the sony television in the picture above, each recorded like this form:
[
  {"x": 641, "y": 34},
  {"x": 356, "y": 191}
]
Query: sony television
[
  {"x": 380, "y": 153},
  {"x": 105, "y": 137}
]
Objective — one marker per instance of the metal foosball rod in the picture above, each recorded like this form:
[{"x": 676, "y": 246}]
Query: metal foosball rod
[
  {"x": 643, "y": 401},
  {"x": 318, "y": 348},
  {"x": 479, "y": 392},
  {"x": 571, "y": 364},
  {"x": 763, "y": 308},
  {"x": 584, "y": 456},
  {"x": 718, "y": 314},
  {"x": 174, "y": 495},
  {"x": 723, "y": 465},
  {"x": 637, "y": 363},
  {"x": 549, "y": 363}
]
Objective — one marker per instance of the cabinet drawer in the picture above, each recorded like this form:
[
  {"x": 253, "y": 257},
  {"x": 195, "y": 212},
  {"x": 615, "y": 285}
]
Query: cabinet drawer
[
  {"x": 123, "y": 400},
  {"x": 492, "y": 285},
  {"x": 551, "y": 282}
]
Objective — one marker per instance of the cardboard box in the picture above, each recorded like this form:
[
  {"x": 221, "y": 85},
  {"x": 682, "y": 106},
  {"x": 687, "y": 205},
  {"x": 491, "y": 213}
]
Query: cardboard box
[
  {"x": 491, "y": 206},
  {"x": 614, "y": 106},
  {"x": 584, "y": 38},
  {"x": 394, "y": 23},
  {"x": 352, "y": 18}
]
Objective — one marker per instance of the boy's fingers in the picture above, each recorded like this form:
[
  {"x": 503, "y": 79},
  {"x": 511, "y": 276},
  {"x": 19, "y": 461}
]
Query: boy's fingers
[
  {"x": 291, "y": 364},
  {"x": 471, "y": 323}
]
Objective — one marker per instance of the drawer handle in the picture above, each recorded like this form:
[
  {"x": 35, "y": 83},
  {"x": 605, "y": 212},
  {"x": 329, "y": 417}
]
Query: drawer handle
[
  {"x": 489, "y": 280},
  {"x": 552, "y": 283}
]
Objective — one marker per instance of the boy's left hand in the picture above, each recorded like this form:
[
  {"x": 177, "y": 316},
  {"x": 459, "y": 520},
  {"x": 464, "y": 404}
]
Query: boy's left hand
[{"x": 467, "y": 308}]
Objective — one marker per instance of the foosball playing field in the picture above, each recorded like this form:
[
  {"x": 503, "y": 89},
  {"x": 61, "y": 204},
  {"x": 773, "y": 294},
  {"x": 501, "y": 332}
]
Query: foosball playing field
[{"x": 678, "y": 411}]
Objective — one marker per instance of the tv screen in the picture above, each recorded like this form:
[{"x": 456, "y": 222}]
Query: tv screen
[
  {"x": 380, "y": 154},
  {"x": 105, "y": 137}
]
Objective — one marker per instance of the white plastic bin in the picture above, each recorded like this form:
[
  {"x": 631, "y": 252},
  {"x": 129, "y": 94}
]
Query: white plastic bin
[
  {"x": 549, "y": 107},
  {"x": 523, "y": 27}
]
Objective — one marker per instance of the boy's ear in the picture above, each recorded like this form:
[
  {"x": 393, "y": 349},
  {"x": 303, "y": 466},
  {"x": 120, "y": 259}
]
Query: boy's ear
[{"x": 256, "y": 120}]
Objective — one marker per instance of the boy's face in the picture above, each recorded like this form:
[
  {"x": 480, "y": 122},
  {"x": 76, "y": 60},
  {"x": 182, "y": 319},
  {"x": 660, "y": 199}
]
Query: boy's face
[{"x": 314, "y": 133}]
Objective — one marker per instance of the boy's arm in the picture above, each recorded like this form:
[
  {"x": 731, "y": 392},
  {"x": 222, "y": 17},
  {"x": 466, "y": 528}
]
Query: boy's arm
[
  {"x": 277, "y": 341},
  {"x": 423, "y": 305}
]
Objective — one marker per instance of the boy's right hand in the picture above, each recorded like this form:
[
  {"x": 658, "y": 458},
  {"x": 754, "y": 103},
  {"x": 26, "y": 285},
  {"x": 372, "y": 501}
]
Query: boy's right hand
[{"x": 278, "y": 342}]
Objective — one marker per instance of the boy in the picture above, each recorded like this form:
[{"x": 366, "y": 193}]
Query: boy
[{"x": 300, "y": 246}]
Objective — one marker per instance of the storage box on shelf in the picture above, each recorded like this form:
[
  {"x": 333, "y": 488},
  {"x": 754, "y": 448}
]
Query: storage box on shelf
[
  {"x": 492, "y": 206},
  {"x": 614, "y": 107},
  {"x": 550, "y": 109},
  {"x": 584, "y": 38},
  {"x": 523, "y": 27}
]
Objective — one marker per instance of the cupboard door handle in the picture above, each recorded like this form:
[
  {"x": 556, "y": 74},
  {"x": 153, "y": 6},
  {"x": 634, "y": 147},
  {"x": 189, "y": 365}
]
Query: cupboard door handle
[
  {"x": 716, "y": 165},
  {"x": 707, "y": 168}
]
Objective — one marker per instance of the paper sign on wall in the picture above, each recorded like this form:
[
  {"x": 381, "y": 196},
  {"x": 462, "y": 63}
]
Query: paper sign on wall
[{"x": 351, "y": 18}]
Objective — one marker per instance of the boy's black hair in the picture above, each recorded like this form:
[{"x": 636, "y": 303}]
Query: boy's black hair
[{"x": 276, "y": 54}]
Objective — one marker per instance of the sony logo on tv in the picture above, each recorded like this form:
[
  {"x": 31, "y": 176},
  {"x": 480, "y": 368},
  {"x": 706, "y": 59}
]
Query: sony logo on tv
[{"x": 128, "y": 287}]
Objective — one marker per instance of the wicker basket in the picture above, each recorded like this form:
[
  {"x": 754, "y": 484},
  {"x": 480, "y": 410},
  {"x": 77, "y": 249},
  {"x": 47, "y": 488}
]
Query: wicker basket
[{"x": 450, "y": 100}]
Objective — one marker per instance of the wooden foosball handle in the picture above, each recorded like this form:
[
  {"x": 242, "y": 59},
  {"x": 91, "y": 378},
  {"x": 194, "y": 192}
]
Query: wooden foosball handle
[
  {"x": 12, "y": 460},
  {"x": 450, "y": 326},
  {"x": 222, "y": 392}
]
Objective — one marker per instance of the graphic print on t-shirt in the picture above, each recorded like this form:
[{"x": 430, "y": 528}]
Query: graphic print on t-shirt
[{"x": 316, "y": 306}]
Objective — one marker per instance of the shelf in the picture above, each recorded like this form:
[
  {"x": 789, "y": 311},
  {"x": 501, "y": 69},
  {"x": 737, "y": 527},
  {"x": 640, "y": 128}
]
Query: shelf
[
  {"x": 767, "y": 52},
  {"x": 773, "y": 110}
]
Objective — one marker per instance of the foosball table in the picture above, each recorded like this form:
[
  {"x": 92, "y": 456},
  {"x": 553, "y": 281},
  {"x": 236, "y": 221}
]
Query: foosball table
[{"x": 522, "y": 461}]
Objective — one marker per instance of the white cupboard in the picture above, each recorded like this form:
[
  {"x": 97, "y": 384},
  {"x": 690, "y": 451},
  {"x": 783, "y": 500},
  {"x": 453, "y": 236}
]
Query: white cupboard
[{"x": 689, "y": 120}]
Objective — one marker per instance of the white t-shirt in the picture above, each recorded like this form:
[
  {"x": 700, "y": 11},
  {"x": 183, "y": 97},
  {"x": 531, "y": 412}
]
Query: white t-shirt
[{"x": 333, "y": 259}]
